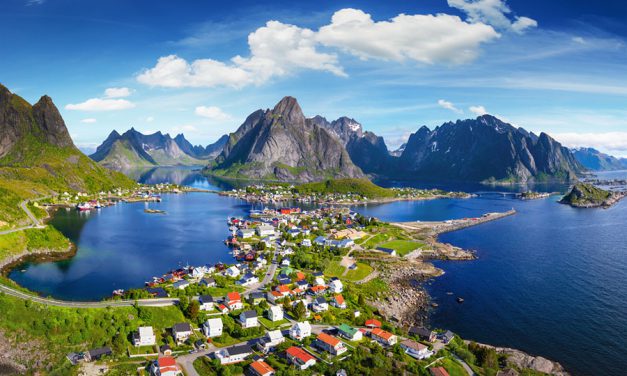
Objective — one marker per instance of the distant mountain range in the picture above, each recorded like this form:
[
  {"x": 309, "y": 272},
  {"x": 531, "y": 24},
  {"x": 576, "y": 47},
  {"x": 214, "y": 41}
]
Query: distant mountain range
[
  {"x": 594, "y": 160},
  {"x": 282, "y": 144},
  {"x": 134, "y": 149}
]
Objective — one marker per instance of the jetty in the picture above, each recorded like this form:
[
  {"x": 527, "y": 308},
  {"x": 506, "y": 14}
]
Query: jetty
[{"x": 440, "y": 227}]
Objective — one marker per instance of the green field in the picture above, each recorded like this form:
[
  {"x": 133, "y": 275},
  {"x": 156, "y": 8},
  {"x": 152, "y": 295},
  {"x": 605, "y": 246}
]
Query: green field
[
  {"x": 362, "y": 187},
  {"x": 402, "y": 247},
  {"x": 334, "y": 269}
]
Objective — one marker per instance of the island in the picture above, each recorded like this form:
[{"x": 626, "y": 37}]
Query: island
[{"x": 584, "y": 195}]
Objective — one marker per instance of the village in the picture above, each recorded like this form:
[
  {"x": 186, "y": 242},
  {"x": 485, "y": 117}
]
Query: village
[{"x": 294, "y": 299}]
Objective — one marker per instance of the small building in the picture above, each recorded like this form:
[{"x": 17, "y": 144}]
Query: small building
[
  {"x": 338, "y": 302},
  {"x": 330, "y": 344},
  {"x": 320, "y": 304},
  {"x": 350, "y": 333},
  {"x": 300, "y": 358},
  {"x": 181, "y": 332},
  {"x": 447, "y": 337},
  {"x": 248, "y": 279},
  {"x": 389, "y": 251},
  {"x": 165, "y": 350},
  {"x": 372, "y": 323},
  {"x": 383, "y": 337},
  {"x": 256, "y": 298},
  {"x": 265, "y": 230},
  {"x": 232, "y": 272},
  {"x": 248, "y": 319},
  {"x": 300, "y": 330},
  {"x": 97, "y": 354},
  {"x": 181, "y": 285},
  {"x": 336, "y": 286},
  {"x": 207, "y": 282},
  {"x": 157, "y": 292},
  {"x": 275, "y": 313},
  {"x": 206, "y": 302},
  {"x": 245, "y": 233},
  {"x": 423, "y": 333},
  {"x": 213, "y": 327},
  {"x": 165, "y": 366},
  {"x": 306, "y": 243},
  {"x": 261, "y": 368},
  {"x": 415, "y": 349},
  {"x": 438, "y": 371},
  {"x": 144, "y": 336},
  {"x": 271, "y": 340},
  {"x": 233, "y": 354},
  {"x": 233, "y": 301}
]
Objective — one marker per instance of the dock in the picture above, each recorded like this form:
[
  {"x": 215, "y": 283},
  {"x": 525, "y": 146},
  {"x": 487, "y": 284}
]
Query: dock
[{"x": 440, "y": 227}]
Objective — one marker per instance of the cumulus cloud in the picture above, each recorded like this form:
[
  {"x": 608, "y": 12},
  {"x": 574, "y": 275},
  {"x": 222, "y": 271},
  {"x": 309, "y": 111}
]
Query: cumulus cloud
[
  {"x": 278, "y": 49},
  {"x": 117, "y": 92},
  {"x": 88, "y": 121},
  {"x": 97, "y": 104},
  {"x": 150, "y": 119},
  {"x": 478, "y": 110},
  {"x": 493, "y": 12},
  {"x": 212, "y": 112},
  {"x": 611, "y": 142},
  {"x": 449, "y": 106}
]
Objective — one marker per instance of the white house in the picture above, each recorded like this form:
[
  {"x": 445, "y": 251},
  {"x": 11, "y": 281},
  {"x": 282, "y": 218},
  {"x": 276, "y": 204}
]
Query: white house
[
  {"x": 416, "y": 349},
  {"x": 300, "y": 330},
  {"x": 248, "y": 279},
  {"x": 233, "y": 354},
  {"x": 248, "y": 319},
  {"x": 306, "y": 243},
  {"x": 213, "y": 327},
  {"x": 300, "y": 358},
  {"x": 320, "y": 304},
  {"x": 206, "y": 302},
  {"x": 336, "y": 286},
  {"x": 181, "y": 285},
  {"x": 275, "y": 313},
  {"x": 181, "y": 332},
  {"x": 271, "y": 340},
  {"x": 232, "y": 272},
  {"x": 319, "y": 281},
  {"x": 265, "y": 230},
  {"x": 245, "y": 233},
  {"x": 144, "y": 336}
]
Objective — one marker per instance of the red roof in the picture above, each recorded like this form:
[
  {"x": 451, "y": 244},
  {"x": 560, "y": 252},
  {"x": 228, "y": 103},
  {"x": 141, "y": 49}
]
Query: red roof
[
  {"x": 339, "y": 299},
  {"x": 317, "y": 288},
  {"x": 438, "y": 371},
  {"x": 233, "y": 296},
  {"x": 283, "y": 288},
  {"x": 324, "y": 337},
  {"x": 382, "y": 334},
  {"x": 300, "y": 276},
  {"x": 373, "y": 323},
  {"x": 166, "y": 361},
  {"x": 261, "y": 367},
  {"x": 299, "y": 353}
]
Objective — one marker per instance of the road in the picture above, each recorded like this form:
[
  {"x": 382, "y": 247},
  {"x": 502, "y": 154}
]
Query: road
[
  {"x": 267, "y": 278},
  {"x": 34, "y": 221},
  {"x": 187, "y": 361}
]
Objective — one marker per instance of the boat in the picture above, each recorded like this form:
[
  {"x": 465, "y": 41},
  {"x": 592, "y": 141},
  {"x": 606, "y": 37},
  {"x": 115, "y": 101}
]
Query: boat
[
  {"x": 460, "y": 300},
  {"x": 118, "y": 292},
  {"x": 84, "y": 206}
]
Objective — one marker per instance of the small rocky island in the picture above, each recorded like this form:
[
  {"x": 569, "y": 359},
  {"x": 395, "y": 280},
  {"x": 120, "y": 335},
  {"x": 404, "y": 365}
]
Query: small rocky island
[{"x": 583, "y": 195}]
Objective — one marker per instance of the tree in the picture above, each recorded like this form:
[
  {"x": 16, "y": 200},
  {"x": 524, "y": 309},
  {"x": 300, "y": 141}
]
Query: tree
[
  {"x": 119, "y": 343},
  {"x": 300, "y": 310},
  {"x": 193, "y": 309}
]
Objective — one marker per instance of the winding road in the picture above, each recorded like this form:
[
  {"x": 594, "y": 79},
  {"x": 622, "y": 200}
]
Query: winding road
[{"x": 35, "y": 222}]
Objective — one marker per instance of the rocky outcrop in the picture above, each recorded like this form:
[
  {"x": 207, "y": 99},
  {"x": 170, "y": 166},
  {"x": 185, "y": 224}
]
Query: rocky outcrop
[
  {"x": 281, "y": 144},
  {"x": 583, "y": 195},
  {"x": 485, "y": 149},
  {"x": 523, "y": 360}
]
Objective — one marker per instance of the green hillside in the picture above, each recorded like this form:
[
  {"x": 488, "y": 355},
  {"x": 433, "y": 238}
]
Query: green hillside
[{"x": 362, "y": 187}]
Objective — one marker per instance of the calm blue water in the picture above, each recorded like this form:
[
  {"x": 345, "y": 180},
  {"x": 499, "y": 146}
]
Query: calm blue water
[{"x": 550, "y": 280}]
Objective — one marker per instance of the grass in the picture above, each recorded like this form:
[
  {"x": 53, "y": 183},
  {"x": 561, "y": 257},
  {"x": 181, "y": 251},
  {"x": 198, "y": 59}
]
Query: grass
[
  {"x": 402, "y": 247},
  {"x": 453, "y": 367},
  {"x": 270, "y": 325},
  {"x": 30, "y": 240},
  {"x": 362, "y": 187},
  {"x": 334, "y": 269}
]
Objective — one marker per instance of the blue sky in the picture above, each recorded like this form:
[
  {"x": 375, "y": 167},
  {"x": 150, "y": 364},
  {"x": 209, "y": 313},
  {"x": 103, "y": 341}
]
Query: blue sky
[{"x": 201, "y": 68}]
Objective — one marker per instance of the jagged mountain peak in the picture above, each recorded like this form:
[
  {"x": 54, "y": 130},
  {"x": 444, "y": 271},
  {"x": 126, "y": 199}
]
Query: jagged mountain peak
[{"x": 289, "y": 110}]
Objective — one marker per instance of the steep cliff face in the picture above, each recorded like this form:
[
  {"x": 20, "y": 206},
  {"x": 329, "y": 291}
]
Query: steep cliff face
[
  {"x": 485, "y": 149},
  {"x": 593, "y": 159},
  {"x": 199, "y": 152},
  {"x": 282, "y": 144}
]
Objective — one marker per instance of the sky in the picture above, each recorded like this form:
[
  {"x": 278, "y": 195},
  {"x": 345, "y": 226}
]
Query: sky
[{"x": 200, "y": 67}]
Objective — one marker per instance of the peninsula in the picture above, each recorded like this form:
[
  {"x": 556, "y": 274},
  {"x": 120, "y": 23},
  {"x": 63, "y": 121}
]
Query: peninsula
[{"x": 583, "y": 195}]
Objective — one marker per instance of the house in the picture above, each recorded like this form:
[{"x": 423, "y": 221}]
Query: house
[
  {"x": 248, "y": 319},
  {"x": 181, "y": 285},
  {"x": 415, "y": 349},
  {"x": 275, "y": 313},
  {"x": 248, "y": 279},
  {"x": 97, "y": 354},
  {"x": 261, "y": 368},
  {"x": 338, "y": 302},
  {"x": 232, "y": 272},
  {"x": 372, "y": 323},
  {"x": 300, "y": 330},
  {"x": 271, "y": 340},
  {"x": 302, "y": 284},
  {"x": 438, "y": 371},
  {"x": 447, "y": 337},
  {"x": 383, "y": 337},
  {"x": 317, "y": 290},
  {"x": 284, "y": 290},
  {"x": 423, "y": 333},
  {"x": 300, "y": 276},
  {"x": 207, "y": 282},
  {"x": 223, "y": 309},
  {"x": 284, "y": 280},
  {"x": 233, "y": 354},
  {"x": 336, "y": 286},
  {"x": 157, "y": 292},
  {"x": 306, "y": 243},
  {"x": 293, "y": 232},
  {"x": 320, "y": 304},
  {"x": 181, "y": 332},
  {"x": 320, "y": 240},
  {"x": 213, "y": 327},
  {"x": 165, "y": 366},
  {"x": 264, "y": 230},
  {"x": 245, "y": 233},
  {"x": 330, "y": 344},
  {"x": 206, "y": 302},
  {"x": 350, "y": 333},
  {"x": 144, "y": 336},
  {"x": 274, "y": 296},
  {"x": 256, "y": 297},
  {"x": 165, "y": 350},
  {"x": 233, "y": 301},
  {"x": 285, "y": 261},
  {"x": 389, "y": 251},
  {"x": 319, "y": 281},
  {"x": 300, "y": 358}
]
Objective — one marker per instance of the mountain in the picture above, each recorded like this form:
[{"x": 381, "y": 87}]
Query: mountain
[
  {"x": 367, "y": 150},
  {"x": 593, "y": 159},
  {"x": 485, "y": 149},
  {"x": 199, "y": 152},
  {"x": 282, "y": 144},
  {"x": 38, "y": 157},
  {"x": 134, "y": 149},
  {"x": 398, "y": 152}
]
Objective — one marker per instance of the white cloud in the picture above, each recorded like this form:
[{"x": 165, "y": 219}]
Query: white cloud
[
  {"x": 427, "y": 39},
  {"x": 478, "y": 110},
  {"x": 449, "y": 106},
  {"x": 97, "y": 104},
  {"x": 611, "y": 142},
  {"x": 493, "y": 12},
  {"x": 150, "y": 119},
  {"x": 212, "y": 112},
  {"x": 579, "y": 40},
  {"x": 278, "y": 49},
  {"x": 88, "y": 121},
  {"x": 117, "y": 92}
]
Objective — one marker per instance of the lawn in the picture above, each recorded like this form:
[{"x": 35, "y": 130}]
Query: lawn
[
  {"x": 270, "y": 325},
  {"x": 334, "y": 269},
  {"x": 453, "y": 367},
  {"x": 402, "y": 247}
]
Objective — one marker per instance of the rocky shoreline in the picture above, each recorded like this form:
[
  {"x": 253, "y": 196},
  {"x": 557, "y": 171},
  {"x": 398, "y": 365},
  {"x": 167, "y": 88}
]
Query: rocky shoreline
[
  {"x": 523, "y": 360},
  {"x": 44, "y": 254}
]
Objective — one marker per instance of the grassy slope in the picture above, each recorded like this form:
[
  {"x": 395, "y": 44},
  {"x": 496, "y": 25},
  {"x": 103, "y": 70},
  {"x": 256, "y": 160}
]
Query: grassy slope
[
  {"x": 32, "y": 239},
  {"x": 122, "y": 154},
  {"x": 589, "y": 195},
  {"x": 357, "y": 186}
]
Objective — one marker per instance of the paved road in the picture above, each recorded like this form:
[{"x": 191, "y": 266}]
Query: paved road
[
  {"x": 113, "y": 303},
  {"x": 35, "y": 222},
  {"x": 187, "y": 361},
  {"x": 469, "y": 370},
  {"x": 267, "y": 278}
]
